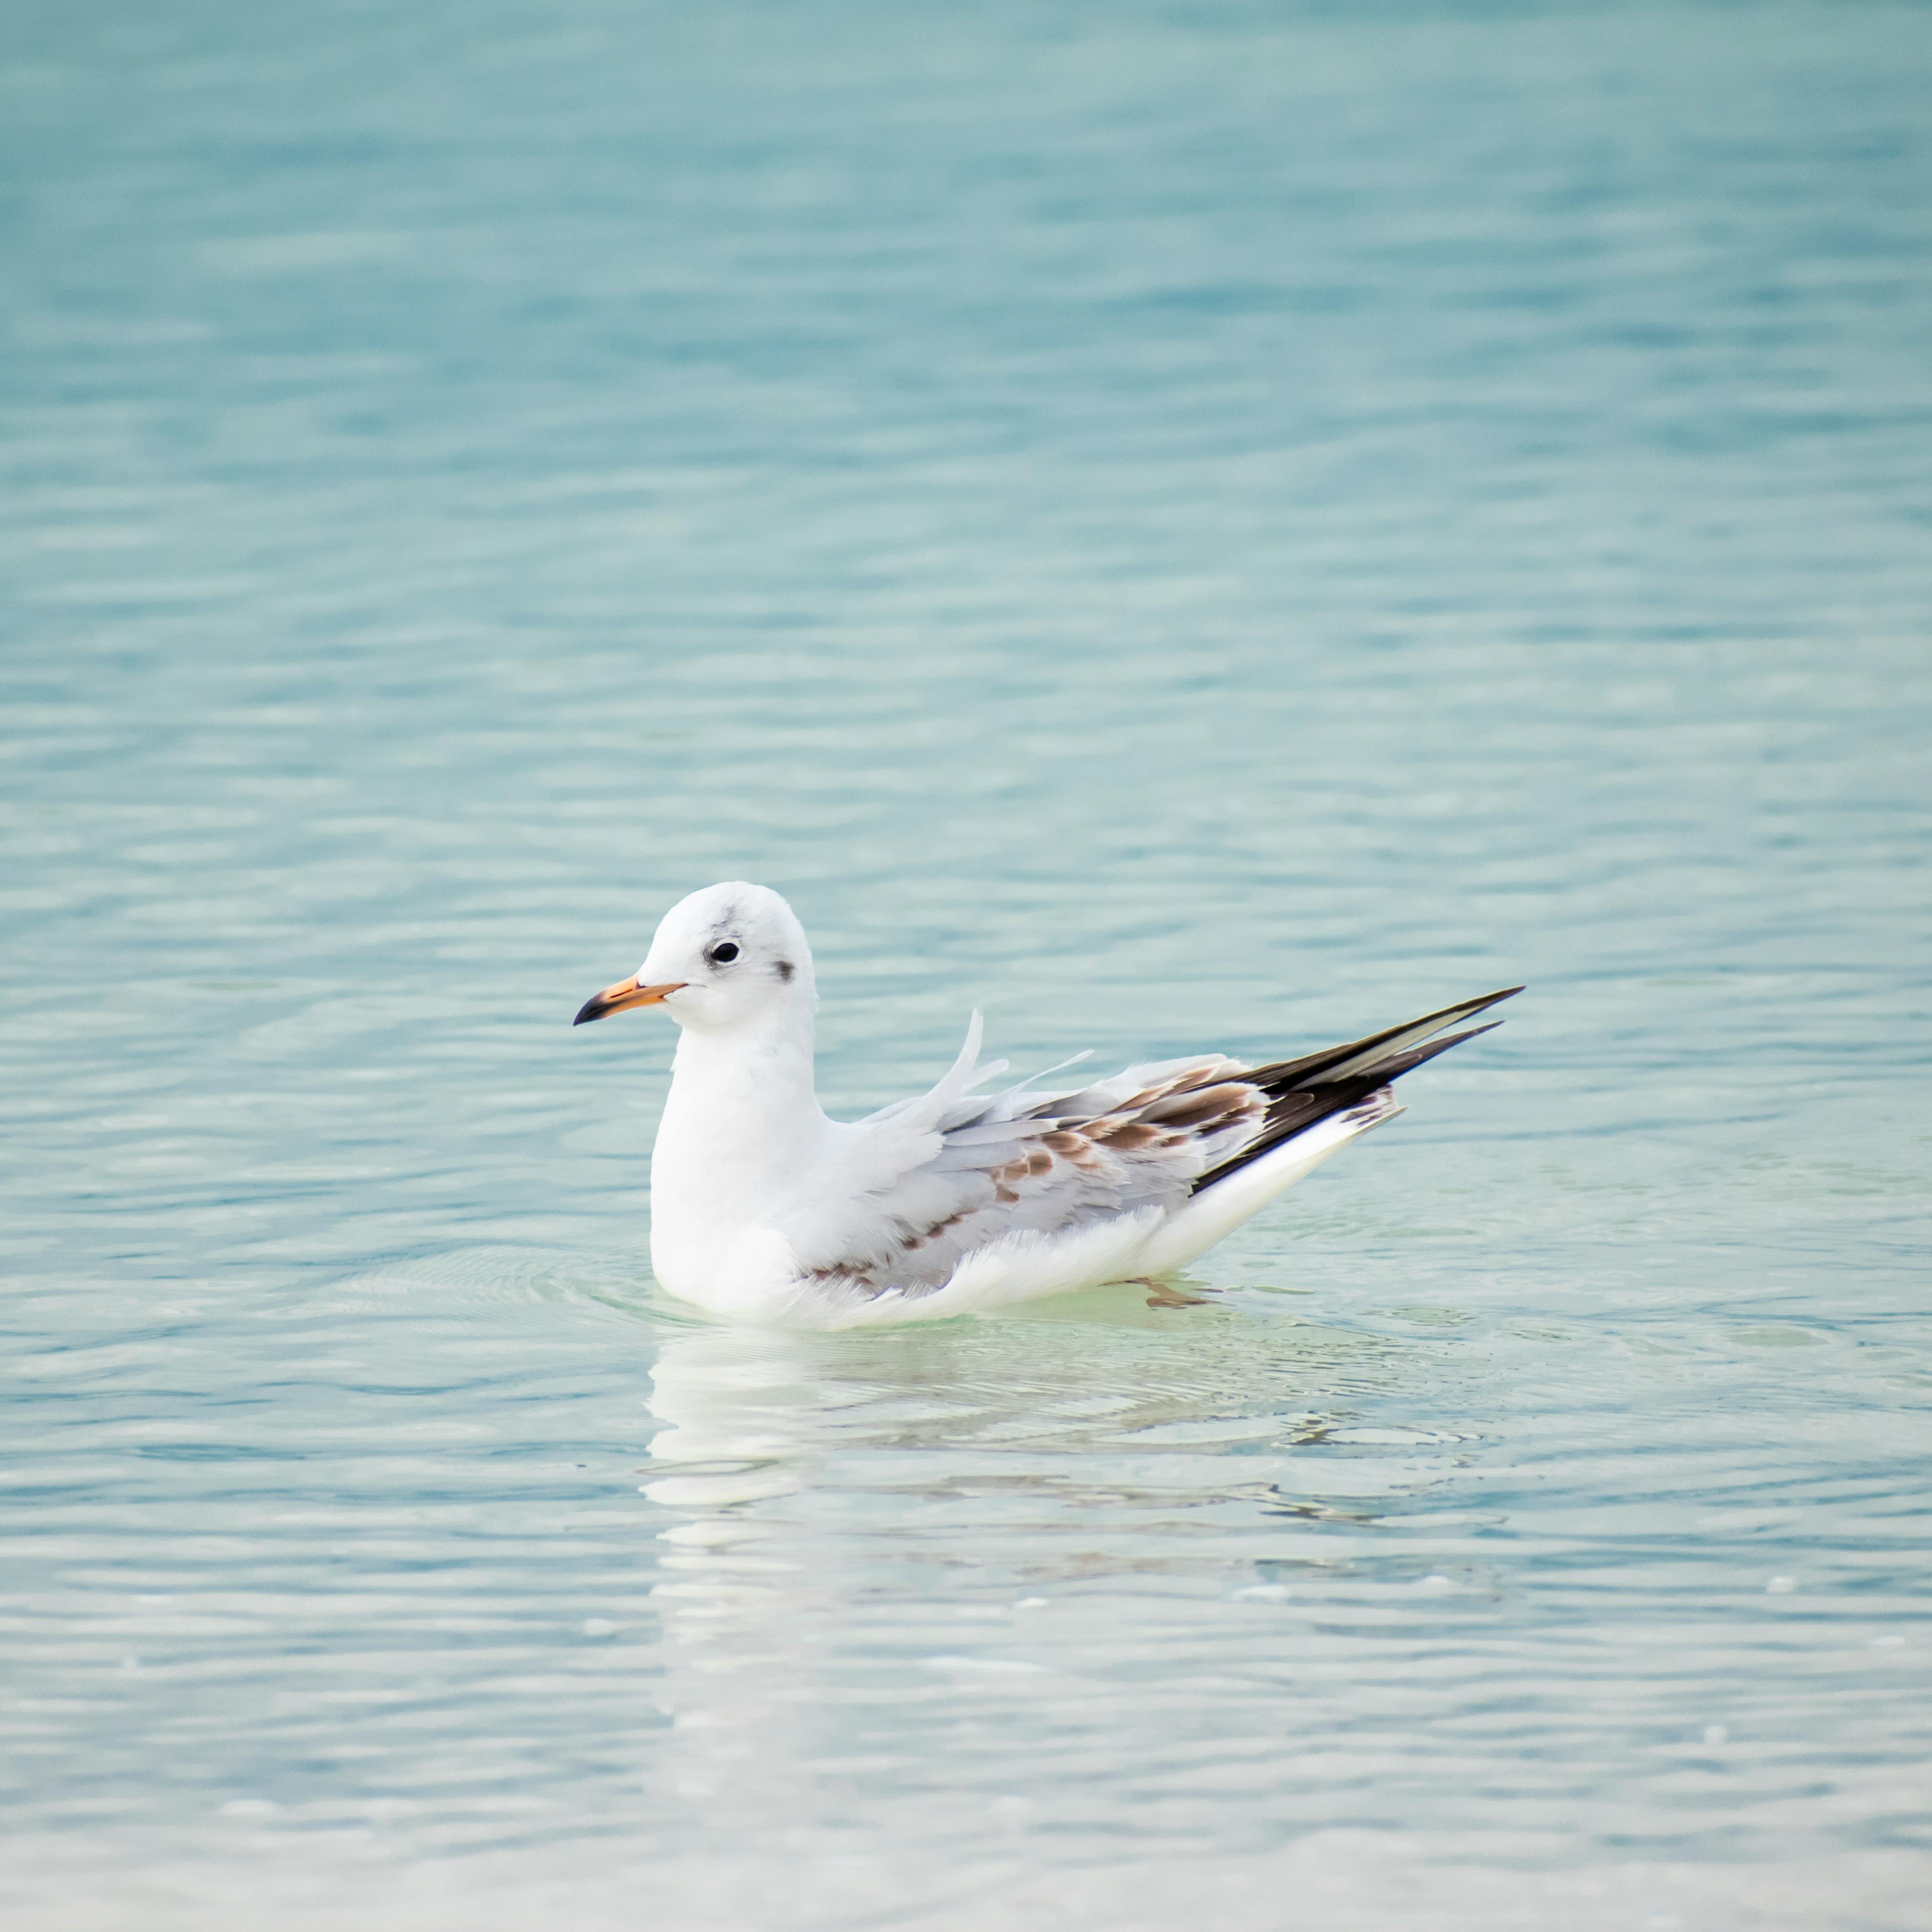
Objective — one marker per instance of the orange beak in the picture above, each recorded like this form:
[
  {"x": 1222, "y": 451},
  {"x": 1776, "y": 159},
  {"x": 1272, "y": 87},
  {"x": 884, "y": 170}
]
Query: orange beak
[{"x": 624, "y": 993}]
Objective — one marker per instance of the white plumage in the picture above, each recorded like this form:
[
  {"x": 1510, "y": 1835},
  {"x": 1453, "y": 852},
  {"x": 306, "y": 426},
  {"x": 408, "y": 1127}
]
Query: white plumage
[{"x": 764, "y": 1210}]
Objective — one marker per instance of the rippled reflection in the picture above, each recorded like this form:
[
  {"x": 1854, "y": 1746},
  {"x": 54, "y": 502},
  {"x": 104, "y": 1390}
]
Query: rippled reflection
[{"x": 827, "y": 1490}]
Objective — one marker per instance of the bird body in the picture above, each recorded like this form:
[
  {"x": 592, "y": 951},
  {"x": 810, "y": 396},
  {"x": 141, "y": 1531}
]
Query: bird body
[{"x": 763, "y": 1209}]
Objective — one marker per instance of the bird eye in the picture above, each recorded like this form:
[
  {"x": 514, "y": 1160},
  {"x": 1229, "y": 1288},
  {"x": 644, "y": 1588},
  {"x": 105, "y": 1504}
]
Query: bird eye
[{"x": 723, "y": 955}]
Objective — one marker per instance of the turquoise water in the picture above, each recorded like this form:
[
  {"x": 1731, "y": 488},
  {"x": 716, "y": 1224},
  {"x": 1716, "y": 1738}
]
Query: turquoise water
[{"x": 1209, "y": 527}]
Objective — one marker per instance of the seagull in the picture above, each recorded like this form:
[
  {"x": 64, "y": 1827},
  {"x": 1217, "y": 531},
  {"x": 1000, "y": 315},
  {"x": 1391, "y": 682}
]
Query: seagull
[{"x": 765, "y": 1210}]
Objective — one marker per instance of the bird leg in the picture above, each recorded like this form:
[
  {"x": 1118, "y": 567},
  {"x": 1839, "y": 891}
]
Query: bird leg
[{"x": 1165, "y": 1294}]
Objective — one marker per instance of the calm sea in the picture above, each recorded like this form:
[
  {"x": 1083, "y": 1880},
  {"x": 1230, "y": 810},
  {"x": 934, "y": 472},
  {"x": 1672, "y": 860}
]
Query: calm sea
[{"x": 1222, "y": 525}]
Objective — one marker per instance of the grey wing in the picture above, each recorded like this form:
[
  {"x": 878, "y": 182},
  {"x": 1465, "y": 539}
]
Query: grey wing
[
  {"x": 930, "y": 1180},
  {"x": 991, "y": 1164}
]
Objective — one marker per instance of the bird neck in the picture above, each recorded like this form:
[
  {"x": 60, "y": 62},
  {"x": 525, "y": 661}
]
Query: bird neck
[
  {"x": 742, "y": 1120},
  {"x": 761, "y": 1063}
]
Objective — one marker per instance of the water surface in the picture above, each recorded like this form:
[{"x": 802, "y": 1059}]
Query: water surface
[{"x": 1212, "y": 527}]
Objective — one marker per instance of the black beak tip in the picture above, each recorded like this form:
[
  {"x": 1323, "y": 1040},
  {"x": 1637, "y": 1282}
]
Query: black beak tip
[{"x": 592, "y": 1009}]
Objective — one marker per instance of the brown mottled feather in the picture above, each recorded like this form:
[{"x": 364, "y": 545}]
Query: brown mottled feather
[{"x": 1016, "y": 1161}]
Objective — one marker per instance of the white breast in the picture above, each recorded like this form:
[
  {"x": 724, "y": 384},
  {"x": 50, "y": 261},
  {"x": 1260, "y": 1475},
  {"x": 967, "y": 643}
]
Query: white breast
[{"x": 742, "y": 1133}]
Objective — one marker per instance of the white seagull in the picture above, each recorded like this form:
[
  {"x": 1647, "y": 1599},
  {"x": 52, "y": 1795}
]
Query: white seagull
[{"x": 764, "y": 1209}]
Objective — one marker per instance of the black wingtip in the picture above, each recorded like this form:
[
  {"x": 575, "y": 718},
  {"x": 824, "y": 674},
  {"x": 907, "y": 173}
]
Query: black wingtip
[
  {"x": 1488, "y": 1000},
  {"x": 1398, "y": 1064},
  {"x": 1301, "y": 1092}
]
